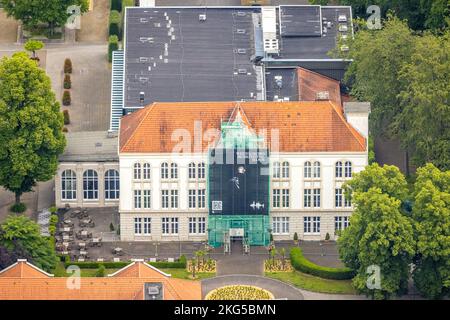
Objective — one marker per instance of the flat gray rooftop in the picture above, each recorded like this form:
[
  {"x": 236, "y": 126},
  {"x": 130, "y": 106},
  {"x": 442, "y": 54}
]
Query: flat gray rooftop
[
  {"x": 289, "y": 84},
  {"x": 173, "y": 56},
  {"x": 86, "y": 146},
  {"x": 310, "y": 46}
]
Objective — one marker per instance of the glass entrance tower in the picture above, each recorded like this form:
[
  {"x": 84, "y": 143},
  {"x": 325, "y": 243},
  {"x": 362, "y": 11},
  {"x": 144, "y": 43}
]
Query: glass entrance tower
[{"x": 238, "y": 184}]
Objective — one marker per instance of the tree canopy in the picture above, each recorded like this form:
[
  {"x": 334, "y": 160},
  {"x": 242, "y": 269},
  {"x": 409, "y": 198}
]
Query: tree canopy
[
  {"x": 420, "y": 14},
  {"x": 30, "y": 125},
  {"x": 431, "y": 215},
  {"x": 20, "y": 236},
  {"x": 405, "y": 77},
  {"x": 33, "y": 12},
  {"x": 380, "y": 234}
]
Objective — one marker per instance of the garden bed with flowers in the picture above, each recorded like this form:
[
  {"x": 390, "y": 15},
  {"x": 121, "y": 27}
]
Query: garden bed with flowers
[{"x": 239, "y": 292}]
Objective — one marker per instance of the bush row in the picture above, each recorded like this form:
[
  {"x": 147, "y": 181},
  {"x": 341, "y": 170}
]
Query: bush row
[
  {"x": 300, "y": 263},
  {"x": 113, "y": 45},
  {"x": 179, "y": 264}
]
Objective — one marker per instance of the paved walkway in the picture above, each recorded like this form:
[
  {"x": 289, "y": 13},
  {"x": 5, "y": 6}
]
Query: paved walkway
[
  {"x": 279, "y": 289},
  {"x": 236, "y": 262}
]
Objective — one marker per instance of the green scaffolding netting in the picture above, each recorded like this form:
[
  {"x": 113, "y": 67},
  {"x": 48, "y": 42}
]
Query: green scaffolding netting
[{"x": 256, "y": 228}]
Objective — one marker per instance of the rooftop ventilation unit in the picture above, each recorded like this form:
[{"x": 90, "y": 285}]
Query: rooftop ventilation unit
[
  {"x": 323, "y": 95},
  {"x": 242, "y": 71},
  {"x": 342, "y": 18},
  {"x": 202, "y": 17},
  {"x": 144, "y": 20},
  {"x": 241, "y": 51},
  {"x": 269, "y": 26},
  {"x": 241, "y": 14},
  {"x": 240, "y": 31},
  {"x": 141, "y": 97},
  {"x": 279, "y": 81},
  {"x": 143, "y": 59}
]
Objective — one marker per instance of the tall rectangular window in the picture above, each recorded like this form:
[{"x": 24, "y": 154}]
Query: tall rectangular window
[
  {"x": 276, "y": 198},
  {"x": 192, "y": 198},
  {"x": 285, "y": 198},
  {"x": 174, "y": 199},
  {"x": 280, "y": 225},
  {"x": 147, "y": 225},
  {"x": 137, "y": 225},
  {"x": 137, "y": 199},
  {"x": 316, "y": 198},
  {"x": 192, "y": 225},
  {"x": 202, "y": 225},
  {"x": 338, "y": 198},
  {"x": 341, "y": 222},
  {"x": 147, "y": 199},
  {"x": 311, "y": 225},
  {"x": 165, "y": 199},
  {"x": 174, "y": 226},
  {"x": 201, "y": 198},
  {"x": 165, "y": 225},
  {"x": 307, "y": 198}
]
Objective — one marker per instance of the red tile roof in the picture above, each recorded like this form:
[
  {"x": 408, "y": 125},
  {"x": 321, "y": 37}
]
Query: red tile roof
[
  {"x": 21, "y": 282},
  {"x": 315, "y": 126},
  {"x": 310, "y": 83}
]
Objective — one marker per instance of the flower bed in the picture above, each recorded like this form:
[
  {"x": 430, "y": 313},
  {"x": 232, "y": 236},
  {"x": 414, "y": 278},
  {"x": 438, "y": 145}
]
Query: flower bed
[
  {"x": 239, "y": 292},
  {"x": 208, "y": 265},
  {"x": 277, "y": 265}
]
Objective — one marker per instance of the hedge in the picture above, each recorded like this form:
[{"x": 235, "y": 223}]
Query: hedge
[
  {"x": 179, "y": 264},
  {"x": 116, "y": 5},
  {"x": 66, "y": 117},
  {"x": 127, "y": 3},
  {"x": 113, "y": 45},
  {"x": 300, "y": 263}
]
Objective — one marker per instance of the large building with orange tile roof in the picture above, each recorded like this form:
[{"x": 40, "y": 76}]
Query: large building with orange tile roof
[
  {"x": 137, "y": 281},
  {"x": 170, "y": 189}
]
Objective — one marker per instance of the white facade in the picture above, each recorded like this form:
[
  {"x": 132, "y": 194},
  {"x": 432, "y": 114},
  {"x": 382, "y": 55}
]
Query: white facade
[{"x": 292, "y": 216}]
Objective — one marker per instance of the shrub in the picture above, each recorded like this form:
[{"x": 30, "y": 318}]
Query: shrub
[
  {"x": 114, "y": 24},
  {"x": 179, "y": 264},
  {"x": 101, "y": 271},
  {"x": 296, "y": 236},
  {"x": 67, "y": 66},
  {"x": 111, "y": 227},
  {"x": 18, "y": 207},
  {"x": 67, "y": 82},
  {"x": 327, "y": 237},
  {"x": 67, "y": 100},
  {"x": 116, "y": 5},
  {"x": 112, "y": 46},
  {"x": 300, "y": 263},
  {"x": 115, "y": 17},
  {"x": 127, "y": 3},
  {"x": 66, "y": 117},
  {"x": 65, "y": 129},
  {"x": 53, "y": 209}
]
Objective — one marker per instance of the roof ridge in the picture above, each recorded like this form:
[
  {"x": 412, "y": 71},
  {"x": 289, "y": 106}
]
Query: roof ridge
[{"x": 352, "y": 130}]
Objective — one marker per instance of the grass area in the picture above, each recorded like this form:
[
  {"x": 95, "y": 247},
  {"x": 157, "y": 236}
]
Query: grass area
[
  {"x": 176, "y": 273},
  {"x": 184, "y": 274},
  {"x": 312, "y": 283}
]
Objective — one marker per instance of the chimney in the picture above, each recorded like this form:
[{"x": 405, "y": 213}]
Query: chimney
[{"x": 357, "y": 115}]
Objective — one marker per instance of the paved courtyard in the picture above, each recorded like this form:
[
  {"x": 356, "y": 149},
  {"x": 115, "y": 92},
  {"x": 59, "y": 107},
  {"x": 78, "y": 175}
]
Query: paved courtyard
[
  {"x": 94, "y": 24},
  {"x": 8, "y": 28}
]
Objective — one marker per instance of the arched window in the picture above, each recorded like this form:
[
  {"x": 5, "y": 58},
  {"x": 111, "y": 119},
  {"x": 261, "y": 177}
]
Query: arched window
[
  {"x": 285, "y": 169},
  {"x": 276, "y": 170},
  {"x": 90, "y": 184},
  {"x": 112, "y": 184},
  {"x": 68, "y": 185},
  {"x": 164, "y": 170},
  {"x": 348, "y": 169},
  {"x": 191, "y": 169},
  {"x": 316, "y": 169},
  {"x": 173, "y": 171},
  {"x": 201, "y": 170},
  {"x": 307, "y": 169},
  {"x": 338, "y": 169},
  {"x": 137, "y": 171},
  {"x": 146, "y": 171}
]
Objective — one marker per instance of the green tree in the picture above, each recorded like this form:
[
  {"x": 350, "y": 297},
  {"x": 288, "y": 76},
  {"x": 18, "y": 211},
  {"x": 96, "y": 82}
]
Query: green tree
[
  {"x": 30, "y": 125},
  {"x": 19, "y": 233},
  {"x": 431, "y": 215},
  {"x": 378, "y": 56},
  {"x": 380, "y": 233},
  {"x": 33, "y": 46},
  {"x": 387, "y": 178},
  {"x": 420, "y": 14},
  {"x": 33, "y": 12},
  {"x": 425, "y": 101}
]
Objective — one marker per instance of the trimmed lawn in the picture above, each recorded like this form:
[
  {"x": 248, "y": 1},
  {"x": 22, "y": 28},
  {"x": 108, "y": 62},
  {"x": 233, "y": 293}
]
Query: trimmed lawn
[
  {"x": 183, "y": 274},
  {"x": 312, "y": 283}
]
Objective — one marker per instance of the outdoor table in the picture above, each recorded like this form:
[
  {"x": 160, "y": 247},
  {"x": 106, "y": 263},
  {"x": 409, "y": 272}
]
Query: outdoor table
[
  {"x": 66, "y": 237},
  {"x": 118, "y": 251},
  {"x": 64, "y": 253},
  {"x": 80, "y": 259},
  {"x": 100, "y": 259},
  {"x": 66, "y": 229},
  {"x": 82, "y": 244},
  {"x": 83, "y": 252}
]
